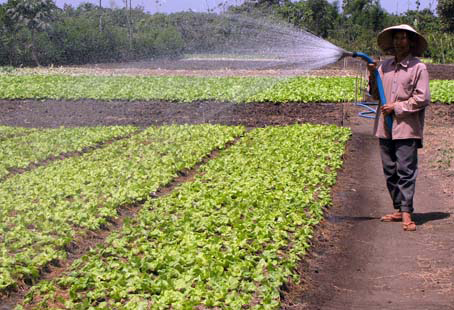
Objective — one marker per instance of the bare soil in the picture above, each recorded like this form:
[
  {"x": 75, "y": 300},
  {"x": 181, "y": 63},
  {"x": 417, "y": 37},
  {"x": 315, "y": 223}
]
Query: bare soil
[
  {"x": 49, "y": 113},
  {"x": 356, "y": 262}
]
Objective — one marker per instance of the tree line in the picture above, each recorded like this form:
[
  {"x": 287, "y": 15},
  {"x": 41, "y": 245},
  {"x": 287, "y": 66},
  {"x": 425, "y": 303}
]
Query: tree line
[{"x": 37, "y": 32}]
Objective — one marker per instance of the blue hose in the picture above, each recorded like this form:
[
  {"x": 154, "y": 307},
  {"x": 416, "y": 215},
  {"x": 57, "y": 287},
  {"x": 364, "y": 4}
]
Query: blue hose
[
  {"x": 381, "y": 92},
  {"x": 370, "y": 112}
]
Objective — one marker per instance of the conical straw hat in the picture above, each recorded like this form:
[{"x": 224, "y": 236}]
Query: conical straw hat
[{"x": 385, "y": 40}]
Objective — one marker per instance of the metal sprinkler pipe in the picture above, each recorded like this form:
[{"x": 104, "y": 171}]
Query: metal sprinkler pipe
[{"x": 381, "y": 92}]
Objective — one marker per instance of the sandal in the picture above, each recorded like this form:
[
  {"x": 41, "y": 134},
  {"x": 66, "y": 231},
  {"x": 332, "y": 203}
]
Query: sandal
[
  {"x": 410, "y": 226},
  {"x": 393, "y": 217}
]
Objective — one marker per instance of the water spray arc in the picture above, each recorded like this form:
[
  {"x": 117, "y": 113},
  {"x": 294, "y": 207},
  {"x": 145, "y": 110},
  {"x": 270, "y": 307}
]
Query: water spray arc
[
  {"x": 381, "y": 92},
  {"x": 270, "y": 44},
  {"x": 291, "y": 47}
]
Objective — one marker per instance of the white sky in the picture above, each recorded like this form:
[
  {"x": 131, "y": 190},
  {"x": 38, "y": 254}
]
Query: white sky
[{"x": 169, "y": 6}]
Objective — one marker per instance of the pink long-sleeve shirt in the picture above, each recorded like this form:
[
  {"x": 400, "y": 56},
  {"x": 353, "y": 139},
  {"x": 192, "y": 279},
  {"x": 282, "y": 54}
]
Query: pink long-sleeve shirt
[{"x": 406, "y": 84}]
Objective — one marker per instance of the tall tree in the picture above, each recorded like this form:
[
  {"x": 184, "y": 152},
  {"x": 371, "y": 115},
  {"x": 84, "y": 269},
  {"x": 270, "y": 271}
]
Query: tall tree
[
  {"x": 317, "y": 16},
  {"x": 5, "y": 33},
  {"x": 262, "y": 6},
  {"x": 129, "y": 22},
  {"x": 364, "y": 13},
  {"x": 266, "y": 2},
  {"x": 36, "y": 15},
  {"x": 100, "y": 16},
  {"x": 445, "y": 10}
]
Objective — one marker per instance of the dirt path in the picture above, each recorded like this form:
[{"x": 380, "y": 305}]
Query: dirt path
[{"x": 362, "y": 263}]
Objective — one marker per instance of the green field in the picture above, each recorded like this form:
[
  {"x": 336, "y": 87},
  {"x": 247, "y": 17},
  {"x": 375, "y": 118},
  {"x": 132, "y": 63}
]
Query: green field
[
  {"x": 233, "y": 234},
  {"x": 189, "y": 89},
  {"x": 44, "y": 209}
]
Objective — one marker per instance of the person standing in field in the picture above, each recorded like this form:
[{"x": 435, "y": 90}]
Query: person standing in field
[{"x": 400, "y": 131}]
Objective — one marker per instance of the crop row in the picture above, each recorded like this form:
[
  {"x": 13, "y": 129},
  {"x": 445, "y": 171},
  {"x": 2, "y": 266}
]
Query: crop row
[
  {"x": 19, "y": 151},
  {"x": 442, "y": 91},
  {"x": 309, "y": 89},
  {"x": 44, "y": 208},
  {"x": 7, "y": 132},
  {"x": 188, "y": 89},
  {"x": 228, "y": 239},
  {"x": 185, "y": 89}
]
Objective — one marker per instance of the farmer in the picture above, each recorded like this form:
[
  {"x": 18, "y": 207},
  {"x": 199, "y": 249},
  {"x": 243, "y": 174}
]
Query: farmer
[{"x": 406, "y": 88}]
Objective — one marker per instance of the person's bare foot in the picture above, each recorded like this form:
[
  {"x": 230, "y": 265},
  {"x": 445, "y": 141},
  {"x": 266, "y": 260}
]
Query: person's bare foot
[
  {"x": 393, "y": 217},
  {"x": 408, "y": 224}
]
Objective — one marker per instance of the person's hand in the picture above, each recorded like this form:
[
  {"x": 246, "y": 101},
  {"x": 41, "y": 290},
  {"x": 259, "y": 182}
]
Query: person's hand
[
  {"x": 387, "y": 108},
  {"x": 372, "y": 67}
]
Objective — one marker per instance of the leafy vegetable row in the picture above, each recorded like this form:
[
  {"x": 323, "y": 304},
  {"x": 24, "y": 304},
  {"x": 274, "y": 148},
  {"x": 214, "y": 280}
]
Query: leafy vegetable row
[
  {"x": 187, "y": 89},
  {"x": 7, "y": 132},
  {"x": 309, "y": 89},
  {"x": 442, "y": 91},
  {"x": 20, "y": 151},
  {"x": 230, "y": 238},
  {"x": 184, "y": 89},
  {"x": 42, "y": 209}
]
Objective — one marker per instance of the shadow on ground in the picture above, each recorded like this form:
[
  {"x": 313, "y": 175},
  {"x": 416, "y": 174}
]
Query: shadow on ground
[{"x": 422, "y": 218}]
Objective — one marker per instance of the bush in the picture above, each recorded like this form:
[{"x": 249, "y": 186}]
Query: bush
[{"x": 441, "y": 47}]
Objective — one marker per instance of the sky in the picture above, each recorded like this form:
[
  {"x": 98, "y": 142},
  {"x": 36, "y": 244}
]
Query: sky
[{"x": 170, "y": 6}]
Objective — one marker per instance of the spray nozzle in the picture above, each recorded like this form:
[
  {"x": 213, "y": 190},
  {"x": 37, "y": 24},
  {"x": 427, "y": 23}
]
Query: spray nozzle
[{"x": 348, "y": 54}]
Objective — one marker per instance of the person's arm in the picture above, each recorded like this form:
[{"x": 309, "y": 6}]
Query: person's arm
[
  {"x": 420, "y": 97},
  {"x": 373, "y": 88}
]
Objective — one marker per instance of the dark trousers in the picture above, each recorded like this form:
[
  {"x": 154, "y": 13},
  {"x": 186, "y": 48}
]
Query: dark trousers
[{"x": 400, "y": 165}]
